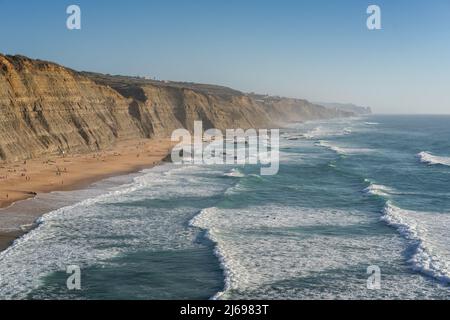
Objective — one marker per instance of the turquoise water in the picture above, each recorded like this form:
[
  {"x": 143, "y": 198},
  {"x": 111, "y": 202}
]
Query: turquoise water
[{"x": 351, "y": 193}]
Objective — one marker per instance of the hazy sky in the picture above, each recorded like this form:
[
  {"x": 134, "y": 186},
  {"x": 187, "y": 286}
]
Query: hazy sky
[{"x": 320, "y": 50}]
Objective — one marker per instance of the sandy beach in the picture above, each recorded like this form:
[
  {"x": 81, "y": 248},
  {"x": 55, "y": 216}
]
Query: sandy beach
[{"x": 25, "y": 179}]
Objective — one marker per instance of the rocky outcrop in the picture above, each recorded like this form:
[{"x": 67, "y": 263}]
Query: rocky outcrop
[{"x": 48, "y": 109}]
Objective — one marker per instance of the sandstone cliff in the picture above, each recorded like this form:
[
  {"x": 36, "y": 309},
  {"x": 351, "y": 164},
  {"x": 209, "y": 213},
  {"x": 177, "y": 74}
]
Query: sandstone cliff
[
  {"x": 45, "y": 108},
  {"x": 48, "y": 109},
  {"x": 161, "y": 107},
  {"x": 282, "y": 110}
]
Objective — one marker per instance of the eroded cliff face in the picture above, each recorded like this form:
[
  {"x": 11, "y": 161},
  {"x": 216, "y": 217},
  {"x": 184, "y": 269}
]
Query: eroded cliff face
[
  {"x": 282, "y": 110},
  {"x": 48, "y": 109},
  {"x": 161, "y": 107}
]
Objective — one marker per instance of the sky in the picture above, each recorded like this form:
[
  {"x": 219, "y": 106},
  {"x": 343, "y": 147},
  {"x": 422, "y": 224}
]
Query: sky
[{"x": 320, "y": 50}]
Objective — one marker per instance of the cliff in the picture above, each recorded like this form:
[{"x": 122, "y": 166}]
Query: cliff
[
  {"x": 49, "y": 109},
  {"x": 282, "y": 110},
  {"x": 161, "y": 107},
  {"x": 347, "y": 107}
]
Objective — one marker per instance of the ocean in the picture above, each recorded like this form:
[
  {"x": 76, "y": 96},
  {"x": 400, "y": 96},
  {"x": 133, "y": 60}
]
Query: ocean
[{"x": 350, "y": 194}]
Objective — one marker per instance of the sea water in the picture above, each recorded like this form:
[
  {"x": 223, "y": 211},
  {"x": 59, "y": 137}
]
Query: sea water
[{"x": 350, "y": 194}]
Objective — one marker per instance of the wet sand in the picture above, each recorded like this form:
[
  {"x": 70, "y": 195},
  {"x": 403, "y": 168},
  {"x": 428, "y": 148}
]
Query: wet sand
[{"x": 25, "y": 179}]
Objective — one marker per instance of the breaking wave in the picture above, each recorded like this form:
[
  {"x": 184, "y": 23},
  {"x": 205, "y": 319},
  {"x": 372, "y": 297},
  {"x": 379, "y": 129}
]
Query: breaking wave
[
  {"x": 378, "y": 190},
  {"x": 236, "y": 173},
  {"x": 429, "y": 235},
  {"x": 428, "y": 158},
  {"x": 321, "y": 132}
]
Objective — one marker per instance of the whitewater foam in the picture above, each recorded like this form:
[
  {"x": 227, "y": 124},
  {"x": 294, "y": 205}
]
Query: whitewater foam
[
  {"x": 428, "y": 233},
  {"x": 328, "y": 131},
  {"x": 261, "y": 247},
  {"x": 236, "y": 173},
  {"x": 96, "y": 230},
  {"x": 268, "y": 250},
  {"x": 343, "y": 150},
  {"x": 431, "y": 159},
  {"x": 379, "y": 189}
]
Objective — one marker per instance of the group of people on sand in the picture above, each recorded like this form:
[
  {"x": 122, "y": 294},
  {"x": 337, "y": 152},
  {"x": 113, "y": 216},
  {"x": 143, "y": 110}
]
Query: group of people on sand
[
  {"x": 24, "y": 174},
  {"x": 60, "y": 172}
]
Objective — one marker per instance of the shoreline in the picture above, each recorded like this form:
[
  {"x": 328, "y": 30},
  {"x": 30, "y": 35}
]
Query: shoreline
[{"x": 22, "y": 181}]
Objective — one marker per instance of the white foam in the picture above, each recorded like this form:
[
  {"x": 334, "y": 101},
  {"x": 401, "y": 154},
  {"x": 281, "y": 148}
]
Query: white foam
[
  {"x": 318, "y": 131},
  {"x": 292, "y": 137},
  {"x": 94, "y": 231},
  {"x": 431, "y": 159},
  {"x": 235, "y": 173},
  {"x": 428, "y": 232},
  {"x": 327, "y": 131},
  {"x": 262, "y": 247},
  {"x": 344, "y": 150},
  {"x": 379, "y": 190}
]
